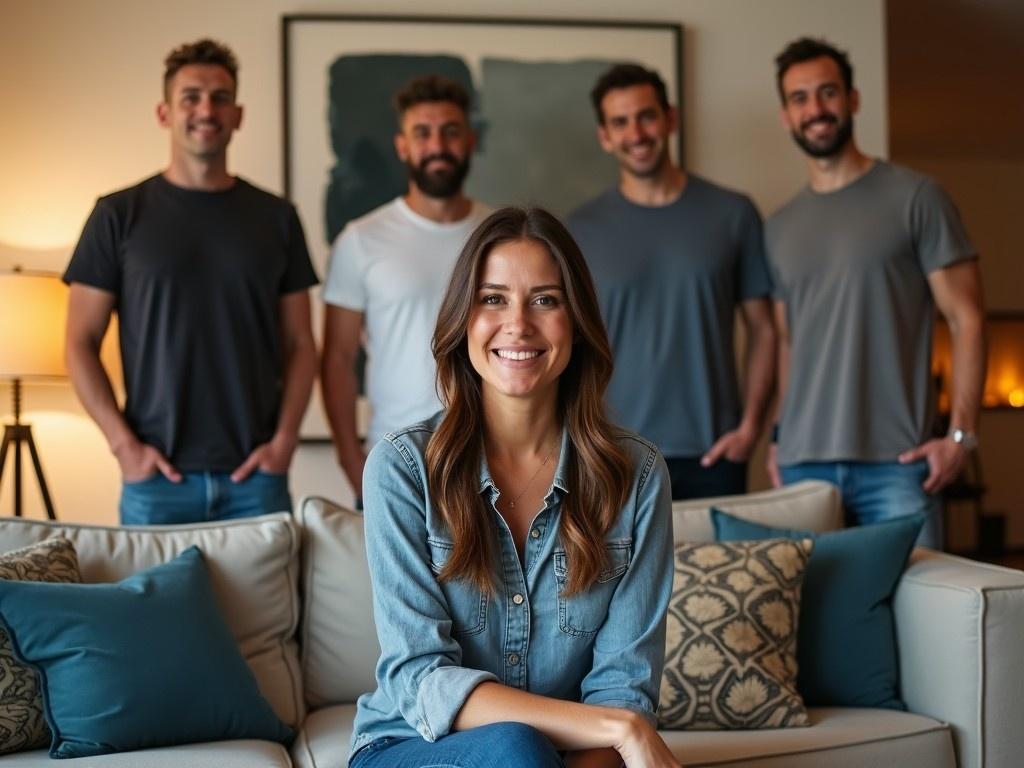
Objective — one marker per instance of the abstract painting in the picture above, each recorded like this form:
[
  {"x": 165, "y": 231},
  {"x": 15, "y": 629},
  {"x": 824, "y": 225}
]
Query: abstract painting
[{"x": 529, "y": 80}]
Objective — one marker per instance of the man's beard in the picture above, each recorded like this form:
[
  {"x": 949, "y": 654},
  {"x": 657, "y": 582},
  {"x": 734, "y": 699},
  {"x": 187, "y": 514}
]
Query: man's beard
[
  {"x": 440, "y": 184},
  {"x": 842, "y": 136}
]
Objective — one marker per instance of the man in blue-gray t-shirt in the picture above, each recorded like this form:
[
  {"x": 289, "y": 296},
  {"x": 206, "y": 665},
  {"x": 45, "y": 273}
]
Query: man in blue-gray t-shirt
[
  {"x": 673, "y": 256},
  {"x": 860, "y": 258}
]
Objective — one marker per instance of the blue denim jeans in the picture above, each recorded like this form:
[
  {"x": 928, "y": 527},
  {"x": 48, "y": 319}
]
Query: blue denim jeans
[
  {"x": 201, "y": 497},
  {"x": 692, "y": 481},
  {"x": 509, "y": 745},
  {"x": 872, "y": 492}
]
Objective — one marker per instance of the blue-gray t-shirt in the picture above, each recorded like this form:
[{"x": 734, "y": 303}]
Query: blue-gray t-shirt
[
  {"x": 668, "y": 279},
  {"x": 852, "y": 268}
]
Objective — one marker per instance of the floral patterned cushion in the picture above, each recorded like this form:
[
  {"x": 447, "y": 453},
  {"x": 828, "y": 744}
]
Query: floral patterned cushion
[
  {"x": 21, "y": 705},
  {"x": 730, "y": 660}
]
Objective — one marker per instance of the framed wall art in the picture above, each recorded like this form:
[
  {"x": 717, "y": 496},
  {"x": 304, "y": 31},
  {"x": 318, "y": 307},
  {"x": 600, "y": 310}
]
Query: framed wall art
[{"x": 530, "y": 82}]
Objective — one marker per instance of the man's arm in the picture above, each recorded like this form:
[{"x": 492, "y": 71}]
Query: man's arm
[
  {"x": 89, "y": 311},
  {"x": 957, "y": 292},
  {"x": 782, "y": 381},
  {"x": 342, "y": 336},
  {"x": 737, "y": 444},
  {"x": 296, "y": 330}
]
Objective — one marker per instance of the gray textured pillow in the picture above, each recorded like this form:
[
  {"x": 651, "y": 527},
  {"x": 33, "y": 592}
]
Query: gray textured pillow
[
  {"x": 730, "y": 660},
  {"x": 22, "y": 725}
]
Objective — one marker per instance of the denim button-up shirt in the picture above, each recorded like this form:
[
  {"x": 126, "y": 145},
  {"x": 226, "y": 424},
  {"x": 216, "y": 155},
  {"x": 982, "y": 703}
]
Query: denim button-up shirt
[{"x": 439, "y": 640}]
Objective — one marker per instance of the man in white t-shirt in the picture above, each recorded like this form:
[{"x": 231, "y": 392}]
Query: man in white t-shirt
[{"x": 389, "y": 270}]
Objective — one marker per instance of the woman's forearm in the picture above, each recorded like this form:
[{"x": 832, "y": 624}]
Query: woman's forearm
[{"x": 568, "y": 724}]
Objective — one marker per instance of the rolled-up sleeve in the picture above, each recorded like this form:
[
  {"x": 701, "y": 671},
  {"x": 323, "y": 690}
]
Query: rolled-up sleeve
[
  {"x": 629, "y": 650},
  {"x": 420, "y": 665}
]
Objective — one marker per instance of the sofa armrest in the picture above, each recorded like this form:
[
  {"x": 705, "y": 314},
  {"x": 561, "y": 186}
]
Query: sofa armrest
[{"x": 960, "y": 626}]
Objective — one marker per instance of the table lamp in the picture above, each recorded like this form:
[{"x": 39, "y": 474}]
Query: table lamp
[{"x": 33, "y": 311}]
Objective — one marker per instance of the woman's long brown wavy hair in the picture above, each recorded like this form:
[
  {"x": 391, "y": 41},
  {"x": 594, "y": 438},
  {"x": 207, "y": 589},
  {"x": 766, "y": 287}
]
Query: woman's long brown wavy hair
[{"x": 600, "y": 474}]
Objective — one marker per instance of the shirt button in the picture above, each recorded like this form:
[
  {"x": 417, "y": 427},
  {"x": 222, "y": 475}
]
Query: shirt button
[
  {"x": 535, "y": 533},
  {"x": 517, "y": 599},
  {"x": 513, "y": 659}
]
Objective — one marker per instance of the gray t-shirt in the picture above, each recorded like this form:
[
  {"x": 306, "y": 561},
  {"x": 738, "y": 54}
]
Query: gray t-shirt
[
  {"x": 851, "y": 267},
  {"x": 668, "y": 279}
]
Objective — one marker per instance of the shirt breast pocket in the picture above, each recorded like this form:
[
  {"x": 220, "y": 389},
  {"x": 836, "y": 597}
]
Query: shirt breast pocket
[
  {"x": 582, "y": 614},
  {"x": 466, "y": 603}
]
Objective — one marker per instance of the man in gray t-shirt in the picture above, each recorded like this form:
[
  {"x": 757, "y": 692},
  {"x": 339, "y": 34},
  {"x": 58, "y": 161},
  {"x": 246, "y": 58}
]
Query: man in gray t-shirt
[
  {"x": 673, "y": 256},
  {"x": 860, "y": 258}
]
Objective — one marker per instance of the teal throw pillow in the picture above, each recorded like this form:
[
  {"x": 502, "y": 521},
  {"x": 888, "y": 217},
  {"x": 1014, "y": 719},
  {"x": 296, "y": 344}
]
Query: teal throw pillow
[
  {"x": 846, "y": 643},
  {"x": 145, "y": 662}
]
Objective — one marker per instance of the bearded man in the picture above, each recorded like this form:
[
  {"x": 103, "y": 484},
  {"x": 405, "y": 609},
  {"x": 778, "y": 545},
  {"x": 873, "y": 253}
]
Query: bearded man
[
  {"x": 861, "y": 257},
  {"x": 389, "y": 270}
]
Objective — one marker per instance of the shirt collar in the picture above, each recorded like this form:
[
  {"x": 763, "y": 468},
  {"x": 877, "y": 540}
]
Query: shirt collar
[{"x": 560, "y": 480}]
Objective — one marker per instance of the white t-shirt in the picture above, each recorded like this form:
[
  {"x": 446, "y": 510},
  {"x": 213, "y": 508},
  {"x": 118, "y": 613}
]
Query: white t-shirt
[{"x": 393, "y": 265}]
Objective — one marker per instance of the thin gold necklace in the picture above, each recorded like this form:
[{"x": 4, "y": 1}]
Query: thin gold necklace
[{"x": 512, "y": 502}]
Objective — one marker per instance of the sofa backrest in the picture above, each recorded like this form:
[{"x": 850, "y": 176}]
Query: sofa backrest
[
  {"x": 339, "y": 641},
  {"x": 810, "y": 505},
  {"x": 337, "y": 633},
  {"x": 253, "y": 565}
]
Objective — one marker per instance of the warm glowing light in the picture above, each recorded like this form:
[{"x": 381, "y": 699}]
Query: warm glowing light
[{"x": 1004, "y": 382}]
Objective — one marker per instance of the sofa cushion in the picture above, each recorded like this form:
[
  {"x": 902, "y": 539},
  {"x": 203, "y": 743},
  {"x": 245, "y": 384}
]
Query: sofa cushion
[
  {"x": 325, "y": 738},
  {"x": 810, "y": 505},
  {"x": 246, "y": 753},
  {"x": 730, "y": 656},
  {"x": 253, "y": 566},
  {"x": 152, "y": 648},
  {"x": 837, "y": 738},
  {"x": 339, "y": 639},
  {"x": 847, "y": 635},
  {"x": 22, "y": 725}
]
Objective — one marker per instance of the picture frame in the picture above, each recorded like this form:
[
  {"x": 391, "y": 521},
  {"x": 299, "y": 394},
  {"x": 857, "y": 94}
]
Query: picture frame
[{"x": 529, "y": 81}]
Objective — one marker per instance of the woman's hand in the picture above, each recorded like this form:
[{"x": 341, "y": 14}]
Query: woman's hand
[{"x": 642, "y": 747}]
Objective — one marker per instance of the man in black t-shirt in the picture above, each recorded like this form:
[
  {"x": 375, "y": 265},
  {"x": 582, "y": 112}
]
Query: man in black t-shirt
[{"x": 209, "y": 277}]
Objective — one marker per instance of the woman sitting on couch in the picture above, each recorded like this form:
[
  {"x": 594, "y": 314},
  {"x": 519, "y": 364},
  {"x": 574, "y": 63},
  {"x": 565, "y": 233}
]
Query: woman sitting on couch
[{"x": 520, "y": 546}]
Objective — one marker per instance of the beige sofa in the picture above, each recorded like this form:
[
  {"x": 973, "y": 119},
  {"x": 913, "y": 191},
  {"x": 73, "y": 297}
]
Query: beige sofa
[{"x": 296, "y": 595}]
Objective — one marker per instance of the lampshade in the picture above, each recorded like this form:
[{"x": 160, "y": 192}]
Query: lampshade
[{"x": 33, "y": 311}]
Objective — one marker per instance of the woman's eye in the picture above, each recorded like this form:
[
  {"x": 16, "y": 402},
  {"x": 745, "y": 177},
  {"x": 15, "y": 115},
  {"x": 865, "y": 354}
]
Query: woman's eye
[
  {"x": 545, "y": 301},
  {"x": 491, "y": 298}
]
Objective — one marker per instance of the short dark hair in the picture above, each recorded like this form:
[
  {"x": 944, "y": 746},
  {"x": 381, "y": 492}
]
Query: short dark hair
[
  {"x": 807, "y": 49},
  {"x": 624, "y": 76},
  {"x": 428, "y": 89},
  {"x": 204, "y": 51}
]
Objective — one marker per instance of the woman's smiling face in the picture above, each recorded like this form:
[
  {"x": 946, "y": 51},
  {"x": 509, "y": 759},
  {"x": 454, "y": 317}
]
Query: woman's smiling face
[{"x": 520, "y": 333}]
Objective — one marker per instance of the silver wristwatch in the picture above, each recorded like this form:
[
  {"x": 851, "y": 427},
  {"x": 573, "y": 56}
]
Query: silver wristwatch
[{"x": 962, "y": 437}]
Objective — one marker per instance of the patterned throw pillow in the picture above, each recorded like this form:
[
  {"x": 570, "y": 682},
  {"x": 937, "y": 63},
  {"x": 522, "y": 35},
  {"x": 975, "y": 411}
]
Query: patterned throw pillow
[
  {"x": 22, "y": 725},
  {"x": 730, "y": 660}
]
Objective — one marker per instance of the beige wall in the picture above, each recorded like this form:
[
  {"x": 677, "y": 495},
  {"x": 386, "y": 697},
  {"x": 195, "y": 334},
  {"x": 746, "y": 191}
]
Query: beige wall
[{"x": 81, "y": 78}]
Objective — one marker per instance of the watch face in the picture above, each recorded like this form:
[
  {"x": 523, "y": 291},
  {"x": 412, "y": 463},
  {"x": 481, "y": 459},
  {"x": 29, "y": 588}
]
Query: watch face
[{"x": 967, "y": 439}]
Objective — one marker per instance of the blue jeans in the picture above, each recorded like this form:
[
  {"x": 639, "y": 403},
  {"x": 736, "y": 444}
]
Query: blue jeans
[
  {"x": 872, "y": 492},
  {"x": 692, "y": 481},
  {"x": 509, "y": 745},
  {"x": 201, "y": 497}
]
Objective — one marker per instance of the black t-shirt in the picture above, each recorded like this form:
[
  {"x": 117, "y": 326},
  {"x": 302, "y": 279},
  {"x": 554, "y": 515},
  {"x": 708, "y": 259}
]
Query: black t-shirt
[{"x": 198, "y": 278}]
